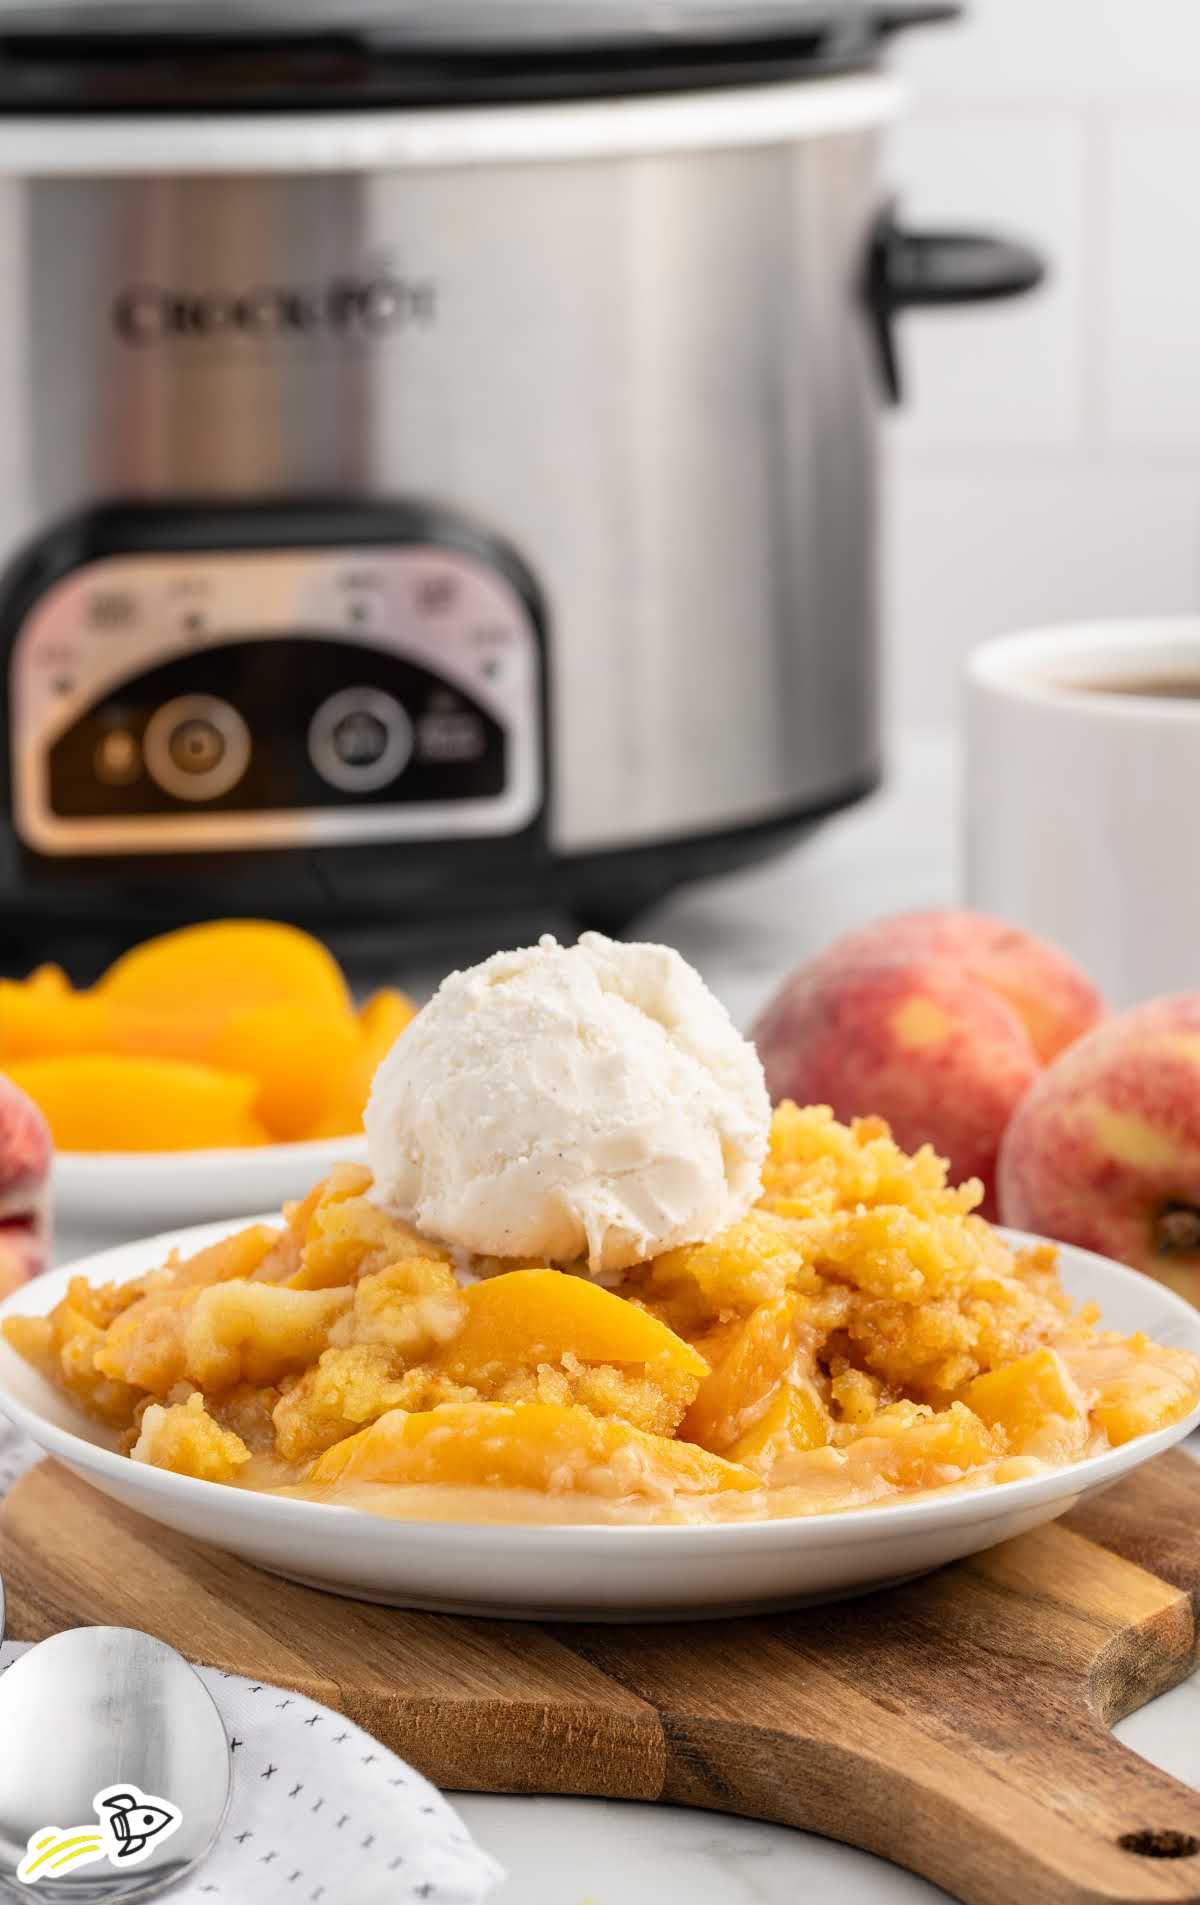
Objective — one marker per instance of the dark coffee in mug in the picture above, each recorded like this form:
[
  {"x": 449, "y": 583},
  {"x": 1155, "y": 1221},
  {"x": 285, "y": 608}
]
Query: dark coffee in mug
[{"x": 1151, "y": 687}]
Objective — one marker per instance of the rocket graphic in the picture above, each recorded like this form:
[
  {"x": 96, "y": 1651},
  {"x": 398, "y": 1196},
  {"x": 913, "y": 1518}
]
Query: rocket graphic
[
  {"x": 133, "y": 1820},
  {"x": 133, "y": 1824}
]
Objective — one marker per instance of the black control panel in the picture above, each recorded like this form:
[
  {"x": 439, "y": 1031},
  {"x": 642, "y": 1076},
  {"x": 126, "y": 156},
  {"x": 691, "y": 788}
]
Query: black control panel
[
  {"x": 299, "y": 723},
  {"x": 205, "y": 681}
]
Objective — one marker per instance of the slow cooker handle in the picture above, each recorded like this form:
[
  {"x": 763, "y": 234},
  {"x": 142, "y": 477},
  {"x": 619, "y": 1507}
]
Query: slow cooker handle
[
  {"x": 909, "y": 271},
  {"x": 897, "y": 19}
]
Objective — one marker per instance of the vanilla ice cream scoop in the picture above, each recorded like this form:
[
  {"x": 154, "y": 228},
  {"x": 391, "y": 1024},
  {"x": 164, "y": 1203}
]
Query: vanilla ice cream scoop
[{"x": 561, "y": 1103}]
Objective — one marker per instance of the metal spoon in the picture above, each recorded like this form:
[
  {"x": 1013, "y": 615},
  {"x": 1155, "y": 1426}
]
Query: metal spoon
[{"x": 106, "y": 1710}]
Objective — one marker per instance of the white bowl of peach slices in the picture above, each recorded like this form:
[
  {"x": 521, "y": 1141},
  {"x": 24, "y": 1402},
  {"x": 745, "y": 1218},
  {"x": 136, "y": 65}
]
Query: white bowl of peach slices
[
  {"x": 755, "y": 1359},
  {"x": 208, "y": 1071}
]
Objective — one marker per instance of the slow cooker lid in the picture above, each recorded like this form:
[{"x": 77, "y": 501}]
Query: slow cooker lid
[
  {"x": 163, "y": 55},
  {"x": 465, "y": 23}
]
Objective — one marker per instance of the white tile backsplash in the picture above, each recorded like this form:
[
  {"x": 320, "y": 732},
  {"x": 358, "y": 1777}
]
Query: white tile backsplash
[
  {"x": 1060, "y": 50},
  {"x": 1151, "y": 285},
  {"x": 973, "y": 553},
  {"x": 1047, "y": 464},
  {"x": 1014, "y": 49}
]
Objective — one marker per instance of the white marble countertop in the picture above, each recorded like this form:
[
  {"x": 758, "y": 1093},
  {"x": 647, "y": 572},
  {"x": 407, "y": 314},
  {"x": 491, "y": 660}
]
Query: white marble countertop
[{"x": 897, "y": 851}]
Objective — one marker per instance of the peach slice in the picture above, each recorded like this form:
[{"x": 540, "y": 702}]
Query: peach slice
[
  {"x": 556, "y": 1449},
  {"x": 246, "y": 997},
  {"x": 381, "y": 1021},
  {"x": 915, "y": 1448},
  {"x": 299, "y": 1055},
  {"x": 1135, "y": 1386},
  {"x": 237, "y": 1256},
  {"x": 345, "y": 1236},
  {"x": 742, "y": 1384},
  {"x": 1037, "y": 1404},
  {"x": 384, "y": 1016},
  {"x": 42, "y": 1017},
  {"x": 206, "y": 974},
  {"x": 98, "y": 1102},
  {"x": 794, "y": 1421},
  {"x": 525, "y": 1317}
]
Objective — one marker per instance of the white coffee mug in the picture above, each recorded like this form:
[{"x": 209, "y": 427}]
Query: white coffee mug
[{"x": 1083, "y": 796}]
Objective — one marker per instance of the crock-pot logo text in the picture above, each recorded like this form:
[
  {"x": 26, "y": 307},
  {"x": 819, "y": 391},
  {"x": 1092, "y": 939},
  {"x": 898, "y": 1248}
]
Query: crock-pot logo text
[{"x": 374, "y": 306}]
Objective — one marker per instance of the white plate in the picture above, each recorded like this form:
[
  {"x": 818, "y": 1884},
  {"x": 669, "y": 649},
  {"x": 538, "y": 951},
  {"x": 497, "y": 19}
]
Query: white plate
[
  {"x": 582, "y": 1572},
  {"x": 99, "y": 1190}
]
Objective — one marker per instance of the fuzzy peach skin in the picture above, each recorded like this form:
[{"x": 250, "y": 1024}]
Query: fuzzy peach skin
[
  {"x": 1105, "y": 1150},
  {"x": 25, "y": 1153},
  {"x": 1055, "y": 1001},
  {"x": 943, "y": 1059}
]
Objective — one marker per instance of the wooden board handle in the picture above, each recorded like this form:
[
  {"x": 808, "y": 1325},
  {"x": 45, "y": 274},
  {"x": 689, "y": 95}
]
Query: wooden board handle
[
  {"x": 944, "y": 1810},
  {"x": 942, "y": 1725}
]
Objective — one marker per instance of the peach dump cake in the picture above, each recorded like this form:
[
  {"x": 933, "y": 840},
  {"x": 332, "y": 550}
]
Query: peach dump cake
[
  {"x": 856, "y": 1337},
  {"x": 589, "y": 1276}
]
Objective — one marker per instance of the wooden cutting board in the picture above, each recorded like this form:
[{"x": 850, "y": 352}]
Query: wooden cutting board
[{"x": 958, "y": 1726}]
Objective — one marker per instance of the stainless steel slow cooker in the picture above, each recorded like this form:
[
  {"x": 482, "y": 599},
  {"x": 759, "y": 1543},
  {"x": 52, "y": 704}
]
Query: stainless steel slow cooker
[{"x": 440, "y": 460}]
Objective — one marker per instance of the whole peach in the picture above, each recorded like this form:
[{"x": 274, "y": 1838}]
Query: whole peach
[
  {"x": 942, "y": 1058},
  {"x": 1055, "y": 1001},
  {"x": 1105, "y": 1150},
  {"x": 26, "y": 1150}
]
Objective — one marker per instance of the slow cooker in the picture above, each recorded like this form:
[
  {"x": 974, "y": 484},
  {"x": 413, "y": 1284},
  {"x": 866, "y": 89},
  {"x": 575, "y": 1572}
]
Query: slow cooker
[{"x": 440, "y": 463}]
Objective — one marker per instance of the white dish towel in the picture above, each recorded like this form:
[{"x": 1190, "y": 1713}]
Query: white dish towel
[{"x": 321, "y": 1813}]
